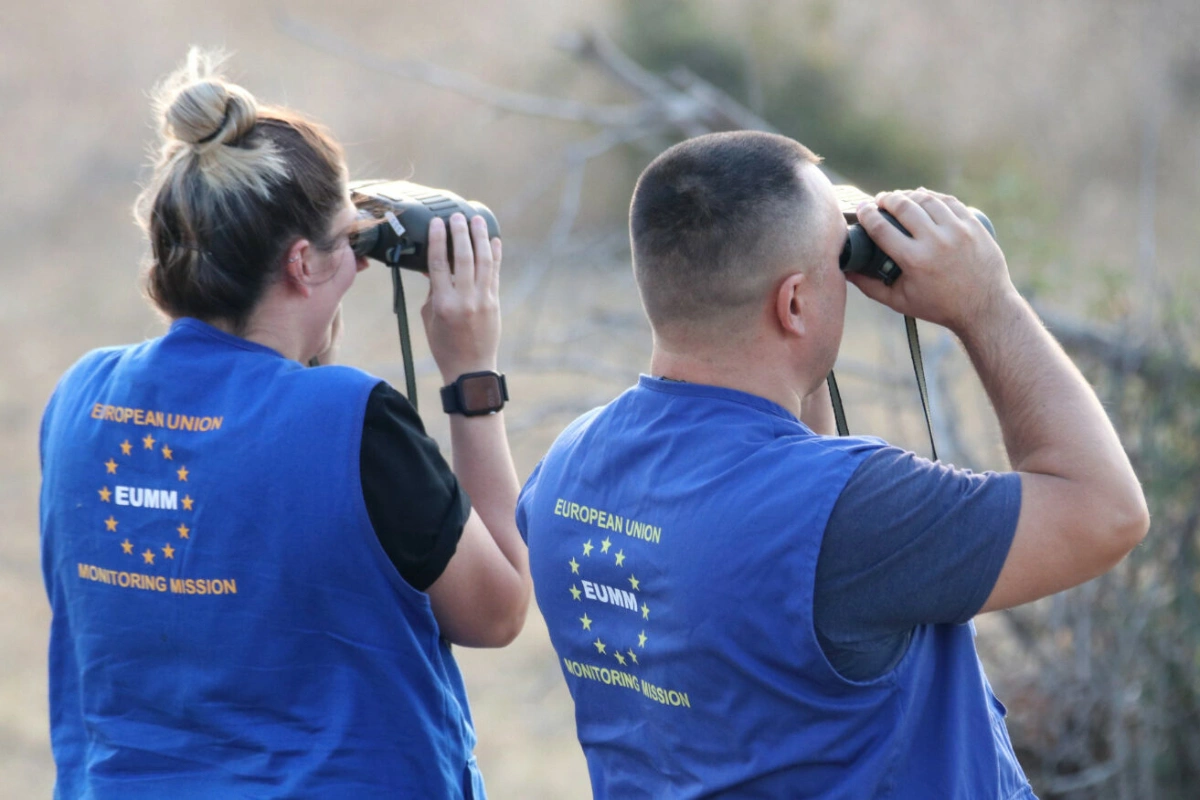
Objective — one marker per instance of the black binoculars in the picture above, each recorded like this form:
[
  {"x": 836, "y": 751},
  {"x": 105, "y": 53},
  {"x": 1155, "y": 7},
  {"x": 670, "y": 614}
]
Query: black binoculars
[
  {"x": 400, "y": 213},
  {"x": 860, "y": 254}
]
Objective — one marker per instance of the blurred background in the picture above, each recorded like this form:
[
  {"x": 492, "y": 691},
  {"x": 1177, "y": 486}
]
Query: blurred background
[{"x": 1074, "y": 124}]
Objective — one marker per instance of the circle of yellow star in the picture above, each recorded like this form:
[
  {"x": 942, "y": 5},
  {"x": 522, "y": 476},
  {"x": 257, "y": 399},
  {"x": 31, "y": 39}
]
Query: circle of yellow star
[
  {"x": 110, "y": 523},
  {"x": 575, "y": 593},
  {"x": 168, "y": 551},
  {"x": 148, "y": 442},
  {"x": 620, "y": 658},
  {"x": 605, "y": 544},
  {"x": 127, "y": 546},
  {"x": 111, "y": 466},
  {"x": 599, "y": 645},
  {"x": 587, "y": 622},
  {"x": 620, "y": 557},
  {"x": 587, "y": 547},
  {"x": 182, "y": 473},
  {"x": 574, "y": 565},
  {"x": 642, "y": 639},
  {"x": 126, "y": 447},
  {"x": 105, "y": 495},
  {"x": 645, "y": 611},
  {"x": 166, "y": 451},
  {"x": 148, "y": 556},
  {"x": 187, "y": 502},
  {"x": 183, "y": 531},
  {"x": 634, "y": 582}
]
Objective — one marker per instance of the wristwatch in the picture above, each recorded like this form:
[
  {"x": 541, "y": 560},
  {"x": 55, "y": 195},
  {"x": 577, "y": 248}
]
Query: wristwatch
[{"x": 475, "y": 394}]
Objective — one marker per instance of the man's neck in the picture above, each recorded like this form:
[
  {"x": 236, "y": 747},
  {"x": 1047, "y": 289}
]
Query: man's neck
[{"x": 744, "y": 371}]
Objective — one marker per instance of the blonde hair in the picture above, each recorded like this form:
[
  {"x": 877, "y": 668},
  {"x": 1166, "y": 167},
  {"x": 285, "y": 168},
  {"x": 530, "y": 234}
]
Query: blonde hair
[{"x": 234, "y": 185}]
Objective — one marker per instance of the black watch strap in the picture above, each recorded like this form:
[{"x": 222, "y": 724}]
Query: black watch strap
[{"x": 475, "y": 394}]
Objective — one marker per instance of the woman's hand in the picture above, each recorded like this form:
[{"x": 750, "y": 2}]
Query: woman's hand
[{"x": 462, "y": 312}]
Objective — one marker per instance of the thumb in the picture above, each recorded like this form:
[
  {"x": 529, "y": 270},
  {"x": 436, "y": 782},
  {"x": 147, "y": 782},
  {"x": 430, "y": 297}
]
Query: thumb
[{"x": 873, "y": 288}]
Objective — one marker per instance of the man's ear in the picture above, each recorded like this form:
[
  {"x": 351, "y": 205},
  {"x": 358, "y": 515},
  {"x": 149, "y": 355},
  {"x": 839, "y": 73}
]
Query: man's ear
[
  {"x": 296, "y": 267},
  {"x": 791, "y": 306}
]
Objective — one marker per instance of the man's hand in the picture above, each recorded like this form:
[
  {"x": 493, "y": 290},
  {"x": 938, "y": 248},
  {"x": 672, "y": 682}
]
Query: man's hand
[
  {"x": 954, "y": 272},
  {"x": 462, "y": 311},
  {"x": 1082, "y": 508}
]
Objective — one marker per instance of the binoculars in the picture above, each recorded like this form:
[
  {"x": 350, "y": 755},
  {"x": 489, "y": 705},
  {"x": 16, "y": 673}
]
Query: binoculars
[
  {"x": 399, "y": 213},
  {"x": 861, "y": 254}
]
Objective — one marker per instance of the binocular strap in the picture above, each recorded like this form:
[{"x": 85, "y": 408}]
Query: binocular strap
[
  {"x": 398, "y": 305},
  {"x": 914, "y": 350}
]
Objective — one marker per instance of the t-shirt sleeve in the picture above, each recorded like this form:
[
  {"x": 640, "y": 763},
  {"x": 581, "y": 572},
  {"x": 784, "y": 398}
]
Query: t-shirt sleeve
[
  {"x": 909, "y": 542},
  {"x": 415, "y": 503}
]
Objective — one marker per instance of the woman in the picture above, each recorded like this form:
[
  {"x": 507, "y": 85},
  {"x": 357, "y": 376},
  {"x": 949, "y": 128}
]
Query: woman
[{"x": 254, "y": 566}]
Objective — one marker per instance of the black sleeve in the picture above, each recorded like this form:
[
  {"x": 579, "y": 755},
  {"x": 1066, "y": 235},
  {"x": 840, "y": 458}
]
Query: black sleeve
[{"x": 413, "y": 499}]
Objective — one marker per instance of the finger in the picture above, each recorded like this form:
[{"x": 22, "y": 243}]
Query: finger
[
  {"x": 464, "y": 255},
  {"x": 956, "y": 206},
  {"x": 439, "y": 265},
  {"x": 875, "y": 289},
  {"x": 497, "y": 254},
  {"x": 483, "y": 251},
  {"x": 883, "y": 233},
  {"x": 907, "y": 211},
  {"x": 933, "y": 206}
]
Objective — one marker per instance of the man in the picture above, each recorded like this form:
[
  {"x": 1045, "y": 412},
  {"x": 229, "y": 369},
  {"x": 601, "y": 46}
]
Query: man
[{"x": 747, "y": 606}]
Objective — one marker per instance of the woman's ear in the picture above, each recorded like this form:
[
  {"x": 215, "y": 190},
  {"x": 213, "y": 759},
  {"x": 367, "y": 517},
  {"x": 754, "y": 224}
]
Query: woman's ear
[
  {"x": 790, "y": 304},
  {"x": 296, "y": 267}
]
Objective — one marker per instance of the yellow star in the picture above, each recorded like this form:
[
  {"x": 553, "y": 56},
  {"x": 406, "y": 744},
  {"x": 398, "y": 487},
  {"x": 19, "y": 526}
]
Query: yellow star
[
  {"x": 126, "y": 447},
  {"x": 620, "y": 658},
  {"x": 634, "y": 583},
  {"x": 111, "y": 466},
  {"x": 642, "y": 639},
  {"x": 105, "y": 495},
  {"x": 599, "y": 645},
  {"x": 575, "y": 592},
  {"x": 110, "y": 523},
  {"x": 587, "y": 622},
  {"x": 166, "y": 451},
  {"x": 148, "y": 442},
  {"x": 182, "y": 473},
  {"x": 620, "y": 557},
  {"x": 187, "y": 502},
  {"x": 587, "y": 547},
  {"x": 645, "y": 611},
  {"x": 148, "y": 556},
  {"x": 168, "y": 551},
  {"x": 632, "y": 655},
  {"x": 127, "y": 546},
  {"x": 183, "y": 531},
  {"x": 604, "y": 545},
  {"x": 574, "y": 565}
]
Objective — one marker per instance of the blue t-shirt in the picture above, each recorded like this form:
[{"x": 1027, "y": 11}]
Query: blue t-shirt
[{"x": 909, "y": 542}]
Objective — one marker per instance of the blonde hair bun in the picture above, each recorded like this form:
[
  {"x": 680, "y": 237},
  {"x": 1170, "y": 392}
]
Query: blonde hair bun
[{"x": 197, "y": 107}]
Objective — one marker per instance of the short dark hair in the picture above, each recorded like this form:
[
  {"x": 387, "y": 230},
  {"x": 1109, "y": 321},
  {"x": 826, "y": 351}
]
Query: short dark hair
[
  {"x": 708, "y": 214},
  {"x": 235, "y": 185}
]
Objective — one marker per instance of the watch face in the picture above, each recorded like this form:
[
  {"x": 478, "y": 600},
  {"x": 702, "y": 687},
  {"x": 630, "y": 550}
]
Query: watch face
[{"x": 481, "y": 393}]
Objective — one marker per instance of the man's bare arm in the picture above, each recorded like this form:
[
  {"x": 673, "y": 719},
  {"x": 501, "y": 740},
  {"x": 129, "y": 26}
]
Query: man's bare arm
[{"x": 1082, "y": 508}]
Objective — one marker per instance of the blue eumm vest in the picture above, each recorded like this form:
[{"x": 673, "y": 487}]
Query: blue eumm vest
[
  {"x": 673, "y": 539},
  {"x": 225, "y": 621}
]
